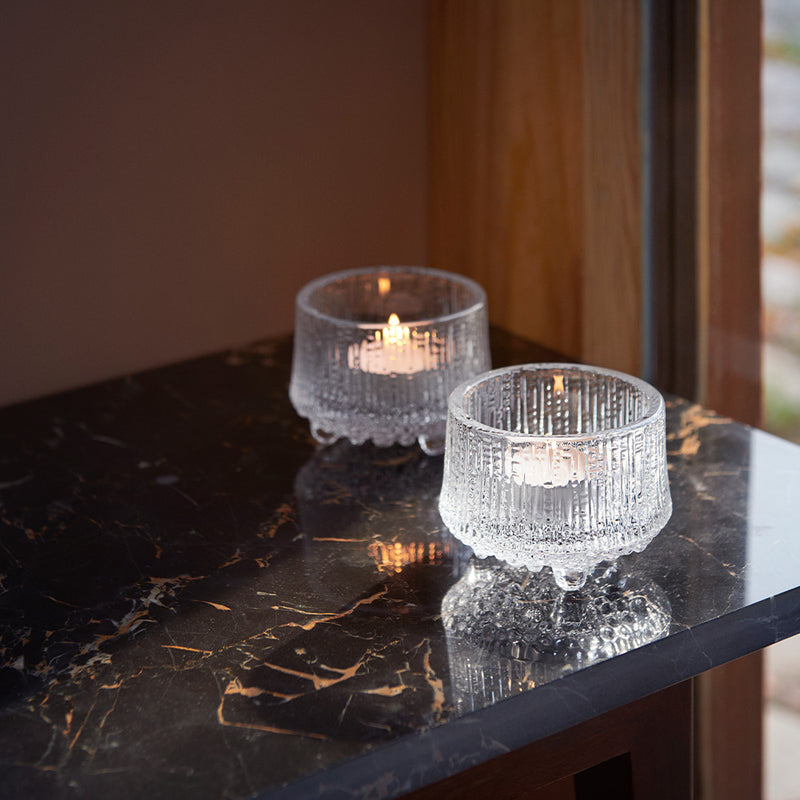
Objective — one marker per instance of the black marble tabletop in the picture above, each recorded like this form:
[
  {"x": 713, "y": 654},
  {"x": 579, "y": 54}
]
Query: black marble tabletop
[{"x": 195, "y": 601}]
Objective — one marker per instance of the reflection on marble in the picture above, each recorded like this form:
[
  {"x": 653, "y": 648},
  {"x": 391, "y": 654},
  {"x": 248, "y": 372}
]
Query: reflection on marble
[
  {"x": 369, "y": 518},
  {"x": 338, "y": 486},
  {"x": 509, "y": 630},
  {"x": 524, "y": 615},
  {"x": 195, "y": 601}
]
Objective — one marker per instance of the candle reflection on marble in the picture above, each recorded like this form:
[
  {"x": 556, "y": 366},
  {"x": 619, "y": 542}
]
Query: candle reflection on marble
[
  {"x": 392, "y": 557},
  {"x": 369, "y": 514}
]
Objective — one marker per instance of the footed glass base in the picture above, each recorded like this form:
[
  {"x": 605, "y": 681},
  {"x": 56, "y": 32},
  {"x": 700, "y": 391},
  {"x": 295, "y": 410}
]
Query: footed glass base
[
  {"x": 569, "y": 580},
  {"x": 432, "y": 445},
  {"x": 323, "y": 437}
]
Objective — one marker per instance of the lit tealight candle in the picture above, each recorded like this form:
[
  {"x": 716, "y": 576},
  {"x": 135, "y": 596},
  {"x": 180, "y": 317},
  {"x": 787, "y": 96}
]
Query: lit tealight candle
[
  {"x": 395, "y": 335},
  {"x": 395, "y": 349},
  {"x": 546, "y": 466}
]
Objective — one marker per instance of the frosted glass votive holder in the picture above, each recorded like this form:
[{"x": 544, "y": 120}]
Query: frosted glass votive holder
[
  {"x": 378, "y": 350},
  {"x": 556, "y": 465}
]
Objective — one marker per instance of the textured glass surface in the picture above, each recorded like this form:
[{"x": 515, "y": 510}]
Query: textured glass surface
[
  {"x": 508, "y": 630},
  {"x": 555, "y": 465},
  {"x": 377, "y": 351}
]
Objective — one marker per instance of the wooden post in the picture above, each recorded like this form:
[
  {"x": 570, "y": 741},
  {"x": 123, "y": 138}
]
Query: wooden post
[
  {"x": 535, "y": 167},
  {"x": 730, "y": 709}
]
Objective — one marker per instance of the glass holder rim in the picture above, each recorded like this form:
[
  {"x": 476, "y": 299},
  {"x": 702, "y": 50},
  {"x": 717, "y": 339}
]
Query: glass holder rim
[
  {"x": 303, "y": 303},
  {"x": 458, "y": 395}
]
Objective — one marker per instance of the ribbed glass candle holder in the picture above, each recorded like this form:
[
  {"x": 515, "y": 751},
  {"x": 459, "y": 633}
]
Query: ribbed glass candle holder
[
  {"x": 378, "y": 350},
  {"x": 556, "y": 465}
]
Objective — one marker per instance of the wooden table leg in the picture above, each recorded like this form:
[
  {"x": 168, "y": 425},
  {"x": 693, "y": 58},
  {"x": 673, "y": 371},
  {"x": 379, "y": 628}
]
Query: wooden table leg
[{"x": 730, "y": 708}]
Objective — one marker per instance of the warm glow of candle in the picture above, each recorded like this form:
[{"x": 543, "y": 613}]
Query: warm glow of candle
[
  {"x": 384, "y": 286},
  {"x": 549, "y": 466},
  {"x": 395, "y": 331},
  {"x": 396, "y": 349},
  {"x": 391, "y": 557}
]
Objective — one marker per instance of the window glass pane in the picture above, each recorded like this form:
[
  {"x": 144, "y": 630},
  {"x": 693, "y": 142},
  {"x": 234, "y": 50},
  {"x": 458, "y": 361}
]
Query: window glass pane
[
  {"x": 780, "y": 212},
  {"x": 780, "y": 285}
]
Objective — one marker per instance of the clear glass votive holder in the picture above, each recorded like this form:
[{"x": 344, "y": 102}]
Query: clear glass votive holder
[
  {"x": 378, "y": 350},
  {"x": 556, "y": 465}
]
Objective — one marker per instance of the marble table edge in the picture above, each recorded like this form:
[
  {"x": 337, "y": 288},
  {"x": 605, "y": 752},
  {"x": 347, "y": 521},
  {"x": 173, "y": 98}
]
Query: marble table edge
[{"x": 399, "y": 767}]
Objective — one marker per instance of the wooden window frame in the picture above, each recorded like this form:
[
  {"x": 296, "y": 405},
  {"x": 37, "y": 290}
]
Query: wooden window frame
[{"x": 539, "y": 190}]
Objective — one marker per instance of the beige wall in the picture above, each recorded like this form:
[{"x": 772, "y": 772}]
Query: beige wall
[{"x": 173, "y": 171}]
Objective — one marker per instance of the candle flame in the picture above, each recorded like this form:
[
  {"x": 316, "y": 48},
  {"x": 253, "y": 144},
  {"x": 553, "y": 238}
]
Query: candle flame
[
  {"x": 558, "y": 384},
  {"x": 384, "y": 286},
  {"x": 396, "y": 334}
]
